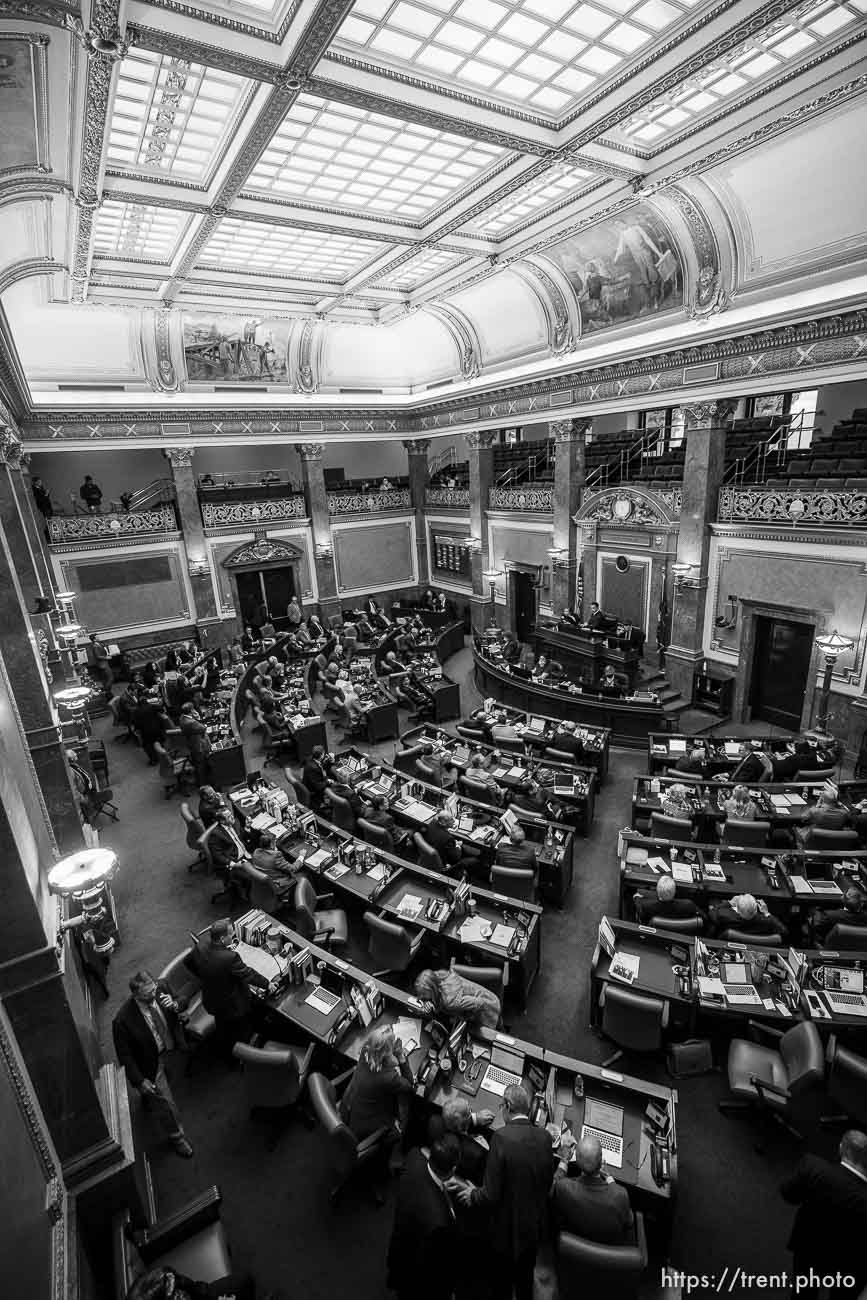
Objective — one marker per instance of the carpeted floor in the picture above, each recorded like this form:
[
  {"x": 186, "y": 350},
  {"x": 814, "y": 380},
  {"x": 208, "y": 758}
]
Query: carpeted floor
[{"x": 275, "y": 1205}]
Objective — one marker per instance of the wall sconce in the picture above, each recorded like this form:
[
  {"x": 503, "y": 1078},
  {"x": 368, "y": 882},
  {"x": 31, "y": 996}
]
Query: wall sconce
[
  {"x": 490, "y": 576},
  {"x": 831, "y": 647},
  {"x": 729, "y": 616},
  {"x": 69, "y": 631},
  {"x": 323, "y": 550},
  {"x": 82, "y": 872},
  {"x": 681, "y": 573},
  {"x": 197, "y": 568},
  {"x": 558, "y": 556}
]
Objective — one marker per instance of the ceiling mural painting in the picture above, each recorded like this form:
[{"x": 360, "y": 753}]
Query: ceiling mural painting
[
  {"x": 235, "y": 349},
  {"x": 19, "y": 125}
]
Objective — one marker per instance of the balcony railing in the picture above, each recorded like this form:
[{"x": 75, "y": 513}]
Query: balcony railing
[
  {"x": 365, "y": 503},
  {"x": 216, "y": 514},
  {"x": 533, "y": 498},
  {"x": 446, "y": 496},
  {"x": 790, "y": 506},
  {"x": 138, "y": 523}
]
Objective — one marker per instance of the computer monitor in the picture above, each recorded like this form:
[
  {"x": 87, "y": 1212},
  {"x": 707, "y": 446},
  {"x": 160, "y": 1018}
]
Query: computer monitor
[
  {"x": 818, "y": 869},
  {"x": 844, "y": 979},
  {"x": 735, "y": 972}
]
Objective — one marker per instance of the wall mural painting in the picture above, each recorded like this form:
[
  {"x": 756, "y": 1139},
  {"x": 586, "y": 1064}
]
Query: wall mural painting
[
  {"x": 623, "y": 268},
  {"x": 18, "y": 134},
  {"x": 235, "y": 349}
]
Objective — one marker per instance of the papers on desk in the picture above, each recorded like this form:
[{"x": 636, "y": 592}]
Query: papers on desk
[
  {"x": 709, "y": 987},
  {"x": 474, "y": 930},
  {"x": 408, "y": 1031},
  {"x": 418, "y": 812},
  {"x": 795, "y": 801},
  {"x": 732, "y": 748},
  {"x": 465, "y": 822},
  {"x": 636, "y": 856},
  {"x": 624, "y": 967},
  {"x": 779, "y": 801},
  {"x": 516, "y": 771},
  {"x": 682, "y": 872},
  {"x": 317, "y": 858},
  {"x": 677, "y": 746},
  {"x": 410, "y": 907},
  {"x": 336, "y": 870},
  {"x": 713, "y": 871},
  {"x": 263, "y": 822},
  {"x": 483, "y": 834},
  {"x": 377, "y": 872},
  {"x": 659, "y": 864},
  {"x": 502, "y": 936}
]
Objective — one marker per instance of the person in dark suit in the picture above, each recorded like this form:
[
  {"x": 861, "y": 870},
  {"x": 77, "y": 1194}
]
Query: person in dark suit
[
  {"x": 145, "y": 1030},
  {"x": 518, "y": 1179},
  {"x": 652, "y": 909},
  {"x": 517, "y": 852},
  {"x": 438, "y": 836},
  {"x": 831, "y": 1220},
  {"x": 344, "y": 790},
  {"x": 423, "y": 1259},
  {"x": 459, "y": 1122},
  {"x": 596, "y": 618},
  {"x": 151, "y": 723},
  {"x": 228, "y": 852},
  {"x": 564, "y": 738},
  {"x": 316, "y": 774},
  {"x": 378, "y": 815},
  {"x": 380, "y": 1090},
  {"x": 226, "y": 984},
  {"x": 754, "y": 766},
  {"x": 745, "y": 914},
  {"x": 786, "y": 766},
  {"x": 591, "y": 1205},
  {"x": 195, "y": 733},
  {"x": 314, "y": 627},
  {"x": 851, "y": 913}
]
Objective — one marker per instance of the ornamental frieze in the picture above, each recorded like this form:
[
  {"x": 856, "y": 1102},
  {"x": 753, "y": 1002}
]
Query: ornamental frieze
[{"x": 769, "y": 505}]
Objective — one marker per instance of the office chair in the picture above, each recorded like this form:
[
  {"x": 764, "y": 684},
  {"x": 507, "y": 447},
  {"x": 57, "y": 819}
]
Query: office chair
[
  {"x": 635, "y": 1021},
  {"x": 769, "y": 940},
  {"x": 99, "y": 803},
  {"x": 347, "y": 1154},
  {"x": 275, "y": 1075},
  {"x": 378, "y": 836},
  {"x": 195, "y": 829},
  {"x": 173, "y": 771},
  {"x": 677, "y": 924},
  {"x": 827, "y": 841},
  {"x": 118, "y": 721},
  {"x": 427, "y": 856},
  {"x": 514, "y": 882},
  {"x": 405, "y": 759},
  {"x": 473, "y": 788},
  {"x": 560, "y": 756},
  {"x": 187, "y": 988},
  {"x": 847, "y": 1086},
  {"x": 761, "y": 1076},
  {"x": 490, "y": 977},
  {"x": 391, "y": 946},
  {"x": 587, "y": 1267},
  {"x": 745, "y": 834},
  {"x": 328, "y": 928},
  {"x": 425, "y": 772},
  {"x": 846, "y": 938},
  {"x": 340, "y": 811},
  {"x": 663, "y": 827},
  {"x": 474, "y": 734},
  {"x": 301, "y": 792},
  {"x": 685, "y": 778},
  {"x": 820, "y": 774}
]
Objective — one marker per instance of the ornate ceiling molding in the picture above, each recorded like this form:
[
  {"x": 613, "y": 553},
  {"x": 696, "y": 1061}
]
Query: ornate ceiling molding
[
  {"x": 563, "y": 317},
  {"x": 463, "y": 335},
  {"x": 707, "y": 415},
  {"x": 570, "y": 430}
]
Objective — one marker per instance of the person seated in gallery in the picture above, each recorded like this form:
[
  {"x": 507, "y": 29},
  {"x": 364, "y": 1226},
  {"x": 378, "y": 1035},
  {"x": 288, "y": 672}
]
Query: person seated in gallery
[
  {"x": 745, "y": 914},
  {"x": 739, "y": 806},
  {"x": 653, "y": 909}
]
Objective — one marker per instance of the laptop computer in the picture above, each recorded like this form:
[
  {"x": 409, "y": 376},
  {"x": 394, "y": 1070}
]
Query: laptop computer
[
  {"x": 846, "y": 992},
  {"x": 506, "y": 1067},
  {"x": 605, "y": 1122},
  {"x": 535, "y": 725},
  {"x": 737, "y": 983}
]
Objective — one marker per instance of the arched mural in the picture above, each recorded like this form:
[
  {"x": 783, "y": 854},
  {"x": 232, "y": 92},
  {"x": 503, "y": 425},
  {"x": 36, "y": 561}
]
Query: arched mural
[{"x": 235, "y": 349}]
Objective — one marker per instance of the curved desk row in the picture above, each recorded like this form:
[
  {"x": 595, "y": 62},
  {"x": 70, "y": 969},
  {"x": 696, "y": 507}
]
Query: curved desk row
[
  {"x": 724, "y": 752},
  {"x": 305, "y": 736},
  {"x": 381, "y": 715},
  {"x": 629, "y": 721},
  {"x": 783, "y": 804}
]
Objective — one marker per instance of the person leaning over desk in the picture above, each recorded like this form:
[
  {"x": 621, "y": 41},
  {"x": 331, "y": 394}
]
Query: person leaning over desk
[
  {"x": 448, "y": 994},
  {"x": 459, "y": 1121},
  {"x": 226, "y": 982}
]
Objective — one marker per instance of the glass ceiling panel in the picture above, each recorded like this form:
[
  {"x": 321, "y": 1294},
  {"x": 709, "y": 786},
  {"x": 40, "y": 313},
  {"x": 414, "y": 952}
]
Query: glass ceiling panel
[
  {"x": 541, "y": 55},
  {"x": 285, "y": 251},
  {"x": 170, "y": 117},
  {"x": 338, "y": 156},
  {"x": 417, "y": 269},
  {"x": 802, "y": 33},
  {"x": 137, "y": 230},
  {"x": 559, "y": 182}
]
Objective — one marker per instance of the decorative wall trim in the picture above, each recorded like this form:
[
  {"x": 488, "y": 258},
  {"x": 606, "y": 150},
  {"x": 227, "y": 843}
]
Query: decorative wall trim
[
  {"x": 347, "y": 503},
  {"x": 774, "y": 505},
  {"x": 79, "y": 528},
  {"x": 262, "y": 550},
  {"x": 218, "y": 514},
  {"x": 522, "y": 498},
  {"x": 457, "y": 498},
  {"x": 463, "y": 335},
  {"x": 630, "y": 507}
]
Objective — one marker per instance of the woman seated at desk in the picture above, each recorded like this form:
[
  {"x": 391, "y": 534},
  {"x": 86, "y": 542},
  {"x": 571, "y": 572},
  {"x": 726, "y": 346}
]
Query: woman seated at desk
[
  {"x": 675, "y": 802},
  {"x": 548, "y": 669},
  {"x": 739, "y": 806}
]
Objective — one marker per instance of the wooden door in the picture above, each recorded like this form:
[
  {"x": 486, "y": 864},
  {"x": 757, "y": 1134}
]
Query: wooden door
[{"x": 781, "y": 664}]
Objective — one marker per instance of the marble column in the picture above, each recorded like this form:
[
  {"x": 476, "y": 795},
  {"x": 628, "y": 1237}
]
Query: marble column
[
  {"x": 481, "y": 464},
  {"x": 702, "y": 478},
  {"x": 23, "y": 662},
  {"x": 204, "y": 612},
  {"x": 570, "y": 441},
  {"x": 313, "y": 476},
  {"x": 416, "y": 454},
  {"x": 30, "y": 552}
]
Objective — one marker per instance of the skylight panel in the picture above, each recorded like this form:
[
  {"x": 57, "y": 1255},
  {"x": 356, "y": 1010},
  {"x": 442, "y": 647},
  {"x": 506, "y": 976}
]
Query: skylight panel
[
  {"x": 412, "y": 19},
  {"x": 589, "y": 21},
  {"x": 134, "y": 230}
]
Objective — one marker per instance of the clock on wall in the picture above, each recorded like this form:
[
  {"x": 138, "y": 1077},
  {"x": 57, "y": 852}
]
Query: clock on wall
[
  {"x": 622, "y": 508},
  {"x": 622, "y": 564}
]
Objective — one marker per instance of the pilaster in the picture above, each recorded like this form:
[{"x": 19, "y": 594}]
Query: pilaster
[
  {"x": 190, "y": 515},
  {"x": 570, "y": 443},
  {"x": 481, "y": 465},
  {"x": 313, "y": 476},
  {"x": 416, "y": 454}
]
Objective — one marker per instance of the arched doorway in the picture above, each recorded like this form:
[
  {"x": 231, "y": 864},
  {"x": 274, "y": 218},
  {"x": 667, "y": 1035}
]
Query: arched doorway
[{"x": 265, "y": 575}]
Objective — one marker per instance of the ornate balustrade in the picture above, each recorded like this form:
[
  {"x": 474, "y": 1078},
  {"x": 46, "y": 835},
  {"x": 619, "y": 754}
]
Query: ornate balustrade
[
  {"x": 780, "y": 505},
  {"x": 85, "y": 528},
  {"x": 216, "y": 514},
  {"x": 365, "y": 503},
  {"x": 446, "y": 496},
  {"x": 531, "y": 497}
]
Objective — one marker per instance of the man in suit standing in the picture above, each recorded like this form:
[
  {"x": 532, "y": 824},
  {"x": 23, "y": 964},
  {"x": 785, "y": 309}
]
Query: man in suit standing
[
  {"x": 831, "y": 1219},
  {"x": 518, "y": 1179},
  {"x": 596, "y": 618},
  {"x": 592, "y": 1205},
  {"x": 144, "y": 1031},
  {"x": 316, "y": 775},
  {"x": 423, "y": 1261},
  {"x": 226, "y": 984}
]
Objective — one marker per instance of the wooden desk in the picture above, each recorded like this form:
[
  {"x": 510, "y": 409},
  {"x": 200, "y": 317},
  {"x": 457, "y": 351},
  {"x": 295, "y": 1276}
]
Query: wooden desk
[
  {"x": 783, "y": 805},
  {"x": 664, "y": 750},
  {"x": 628, "y": 721},
  {"x": 587, "y": 653},
  {"x": 595, "y": 741}
]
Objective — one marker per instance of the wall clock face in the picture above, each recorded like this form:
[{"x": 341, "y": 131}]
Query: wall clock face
[{"x": 622, "y": 508}]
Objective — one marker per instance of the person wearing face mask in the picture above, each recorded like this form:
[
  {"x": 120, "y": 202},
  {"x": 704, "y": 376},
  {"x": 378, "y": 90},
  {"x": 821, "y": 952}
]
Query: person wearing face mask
[{"x": 145, "y": 1030}]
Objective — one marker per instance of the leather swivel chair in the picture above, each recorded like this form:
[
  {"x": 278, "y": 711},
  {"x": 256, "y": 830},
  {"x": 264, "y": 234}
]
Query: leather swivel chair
[
  {"x": 587, "y": 1267},
  {"x": 771, "y": 1079},
  {"x": 405, "y": 759},
  {"x": 195, "y": 829},
  {"x": 677, "y": 924},
  {"x": 391, "y": 946},
  {"x": 346, "y": 1154},
  {"x": 172, "y": 771},
  {"x": 427, "y": 856},
  {"x": 378, "y": 836},
  {"x": 514, "y": 882},
  {"x": 826, "y": 841},
  {"x": 633, "y": 1020},
  {"x": 560, "y": 756},
  {"x": 473, "y": 734},
  {"x": 187, "y": 988},
  {"x": 847, "y": 1085},
  {"x": 328, "y": 927},
  {"x": 846, "y": 938},
  {"x": 275, "y": 1075},
  {"x": 425, "y": 772},
  {"x": 473, "y": 788},
  {"x": 745, "y": 834},
  {"x": 339, "y": 812},
  {"x": 769, "y": 940},
  {"x": 817, "y": 774},
  {"x": 663, "y": 827}
]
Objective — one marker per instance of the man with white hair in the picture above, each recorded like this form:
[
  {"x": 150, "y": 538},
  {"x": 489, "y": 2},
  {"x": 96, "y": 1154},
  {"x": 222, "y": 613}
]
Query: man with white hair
[
  {"x": 517, "y": 852},
  {"x": 747, "y": 916},
  {"x": 653, "y": 909},
  {"x": 591, "y": 1204}
]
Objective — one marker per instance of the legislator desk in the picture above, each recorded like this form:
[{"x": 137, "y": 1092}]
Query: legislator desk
[
  {"x": 536, "y": 732},
  {"x": 586, "y": 653},
  {"x": 381, "y": 717},
  {"x": 724, "y": 752},
  {"x": 432, "y": 618},
  {"x": 443, "y": 641},
  {"x": 566, "y": 783},
  {"x": 628, "y": 719},
  {"x": 477, "y": 826},
  {"x": 792, "y": 884},
  {"x": 783, "y": 805},
  {"x": 301, "y": 969},
  {"x": 790, "y": 984}
]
